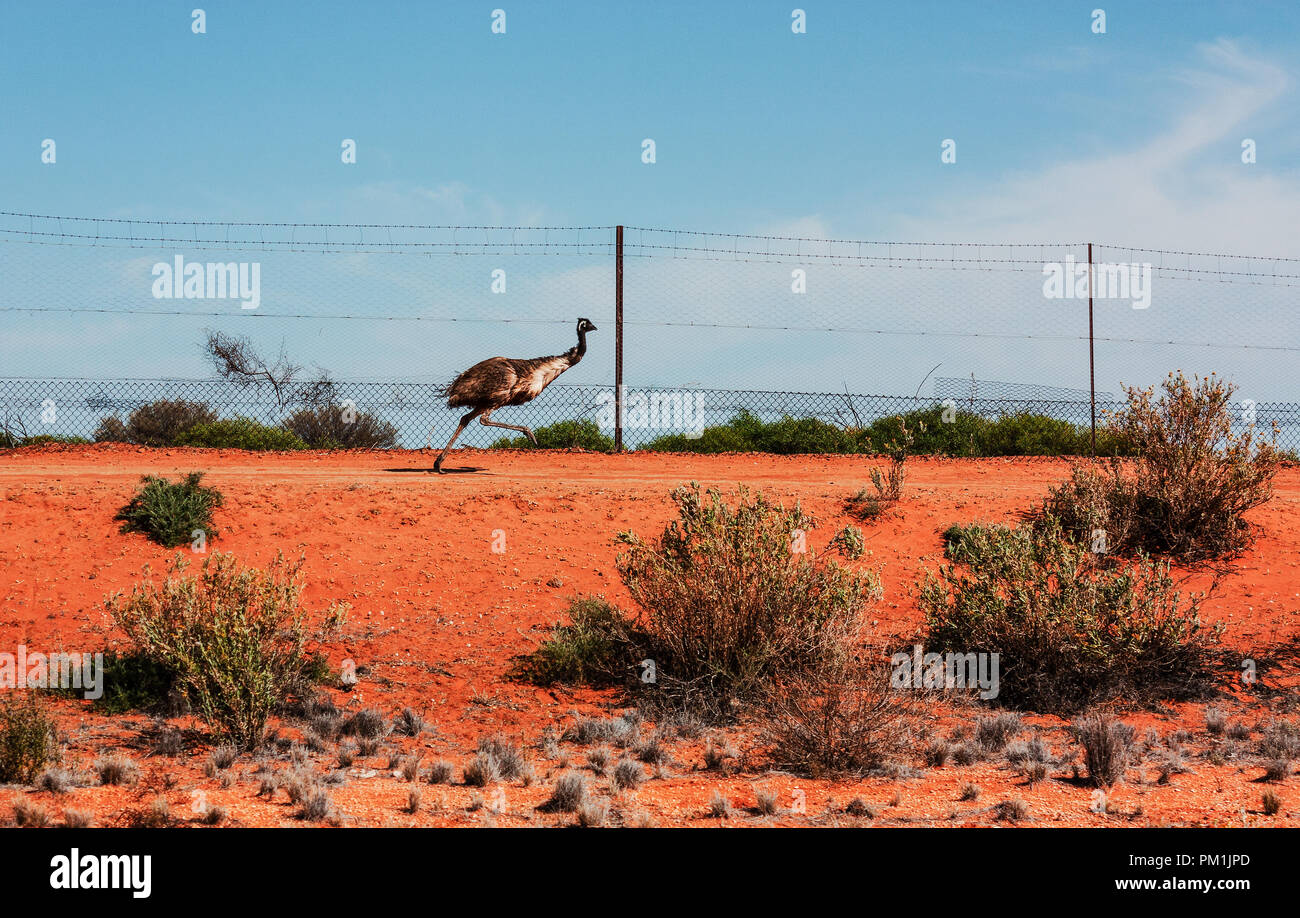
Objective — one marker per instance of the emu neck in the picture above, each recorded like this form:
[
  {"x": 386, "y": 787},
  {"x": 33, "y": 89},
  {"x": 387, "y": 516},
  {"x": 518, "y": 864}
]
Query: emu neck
[{"x": 576, "y": 354}]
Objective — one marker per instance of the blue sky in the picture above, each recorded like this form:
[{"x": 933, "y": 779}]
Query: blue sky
[
  {"x": 756, "y": 127},
  {"x": 1132, "y": 137}
]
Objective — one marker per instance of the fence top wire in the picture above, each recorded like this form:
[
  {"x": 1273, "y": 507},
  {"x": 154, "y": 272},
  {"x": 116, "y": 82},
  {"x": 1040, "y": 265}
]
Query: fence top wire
[
  {"x": 825, "y": 241},
  {"x": 650, "y": 242},
  {"x": 428, "y": 226},
  {"x": 645, "y": 242},
  {"x": 372, "y": 238},
  {"x": 465, "y": 320}
]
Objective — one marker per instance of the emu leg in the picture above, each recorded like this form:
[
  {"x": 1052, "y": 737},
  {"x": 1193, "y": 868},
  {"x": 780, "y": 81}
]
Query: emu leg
[
  {"x": 523, "y": 430},
  {"x": 464, "y": 422}
]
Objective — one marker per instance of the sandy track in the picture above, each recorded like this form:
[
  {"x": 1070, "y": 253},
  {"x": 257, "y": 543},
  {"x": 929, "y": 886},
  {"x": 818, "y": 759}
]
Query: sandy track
[{"x": 470, "y": 468}]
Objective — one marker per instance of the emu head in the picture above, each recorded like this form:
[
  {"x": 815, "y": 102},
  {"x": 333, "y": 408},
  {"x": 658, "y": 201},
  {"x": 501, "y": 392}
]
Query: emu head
[{"x": 584, "y": 325}]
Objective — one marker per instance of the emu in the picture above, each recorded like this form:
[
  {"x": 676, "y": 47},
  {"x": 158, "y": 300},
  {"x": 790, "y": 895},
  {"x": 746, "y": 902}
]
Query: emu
[{"x": 500, "y": 381}]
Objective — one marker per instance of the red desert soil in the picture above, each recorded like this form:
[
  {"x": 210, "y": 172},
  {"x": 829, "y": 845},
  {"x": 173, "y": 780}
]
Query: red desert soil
[{"x": 437, "y": 615}]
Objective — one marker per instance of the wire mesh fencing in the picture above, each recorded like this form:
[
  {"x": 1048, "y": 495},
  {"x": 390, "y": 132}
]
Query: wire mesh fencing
[
  {"x": 416, "y": 411},
  {"x": 100, "y": 317}
]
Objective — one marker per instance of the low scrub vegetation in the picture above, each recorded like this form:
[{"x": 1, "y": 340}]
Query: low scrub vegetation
[
  {"x": 570, "y": 793},
  {"x": 158, "y": 423},
  {"x": 132, "y": 681},
  {"x": 597, "y": 647},
  {"x": 954, "y": 432},
  {"x": 1108, "y": 747},
  {"x": 584, "y": 434},
  {"x": 1071, "y": 630},
  {"x": 887, "y": 485},
  {"x": 1186, "y": 492},
  {"x": 172, "y": 513},
  {"x": 732, "y": 601},
  {"x": 28, "y": 739},
  {"x": 340, "y": 427},
  {"x": 323, "y": 423},
  {"x": 114, "y": 769},
  {"x": 320, "y": 424},
  {"x": 234, "y": 636},
  {"x": 240, "y": 433},
  {"x": 748, "y": 433},
  {"x": 840, "y": 719},
  {"x": 938, "y": 431}
]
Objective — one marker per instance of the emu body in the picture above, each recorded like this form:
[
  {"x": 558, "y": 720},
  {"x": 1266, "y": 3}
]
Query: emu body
[{"x": 501, "y": 381}]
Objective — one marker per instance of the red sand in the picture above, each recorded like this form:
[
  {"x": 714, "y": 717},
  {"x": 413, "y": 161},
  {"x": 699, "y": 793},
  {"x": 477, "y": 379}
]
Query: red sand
[{"x": 437, "y": 615}]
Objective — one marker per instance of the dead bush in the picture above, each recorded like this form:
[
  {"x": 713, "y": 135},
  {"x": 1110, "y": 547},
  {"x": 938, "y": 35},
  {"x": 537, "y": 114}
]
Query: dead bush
[
  {"x": 1107, "y": 748},
  {"x": 842, "y": 719},
  {"x": 340, "y": 426},
  {"x": 570, "y": 792}
]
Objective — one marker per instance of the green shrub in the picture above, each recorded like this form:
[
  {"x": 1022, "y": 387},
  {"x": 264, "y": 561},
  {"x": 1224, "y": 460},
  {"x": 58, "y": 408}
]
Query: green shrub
[
  {"x": 317, "y": 671},
  {"x": 28, "y": 739},
  {"x": 790, "y": 436},
  {"x": 729, "y": 603},
  {"x": 1187, "y": 491},
  {"x": 159, "y": 423},
  {"x": 1069, "y": 629},
  {"x": 719, "y": 439},
  {"x": 133, "y": 681},
  {"x": 340, "y": 427},
  {"x": 963, "y": 541},
  {"x": 1021, "y": 433},
  {"x": 234, "y": 636},
  {"x": 130, "y": 681},
  {"x": 598, "y": 647},
  {"x": 240, "y": 433},
  {"x": 1027, "y": 434},
  {"x": 963, "y": 434},
  {"x": 584, "y": 434},
  {"x": 747, "y": 433},
  {"x": 849, "y": 543},
  {"x": 170, "y": 512}
]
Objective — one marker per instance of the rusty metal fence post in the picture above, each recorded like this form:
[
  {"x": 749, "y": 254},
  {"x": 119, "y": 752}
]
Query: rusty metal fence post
[
  {"x": 618, "y": 339},
  {"x": 1092, "y": 363}
]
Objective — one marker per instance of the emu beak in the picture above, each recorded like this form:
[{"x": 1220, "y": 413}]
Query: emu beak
[{"x": 592, "y": 327}]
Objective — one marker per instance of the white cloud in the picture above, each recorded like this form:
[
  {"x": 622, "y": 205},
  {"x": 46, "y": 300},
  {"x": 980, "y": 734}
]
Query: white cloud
[{"x": 1184, "y": 188}]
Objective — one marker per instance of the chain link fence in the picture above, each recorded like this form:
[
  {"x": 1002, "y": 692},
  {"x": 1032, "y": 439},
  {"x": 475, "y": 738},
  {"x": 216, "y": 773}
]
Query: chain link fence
[{"x": 99, "y": 317}]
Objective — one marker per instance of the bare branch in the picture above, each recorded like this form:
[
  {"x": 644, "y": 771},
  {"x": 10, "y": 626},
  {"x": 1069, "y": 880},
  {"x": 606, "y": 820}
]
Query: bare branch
[{"x": 236, "y": 360}]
